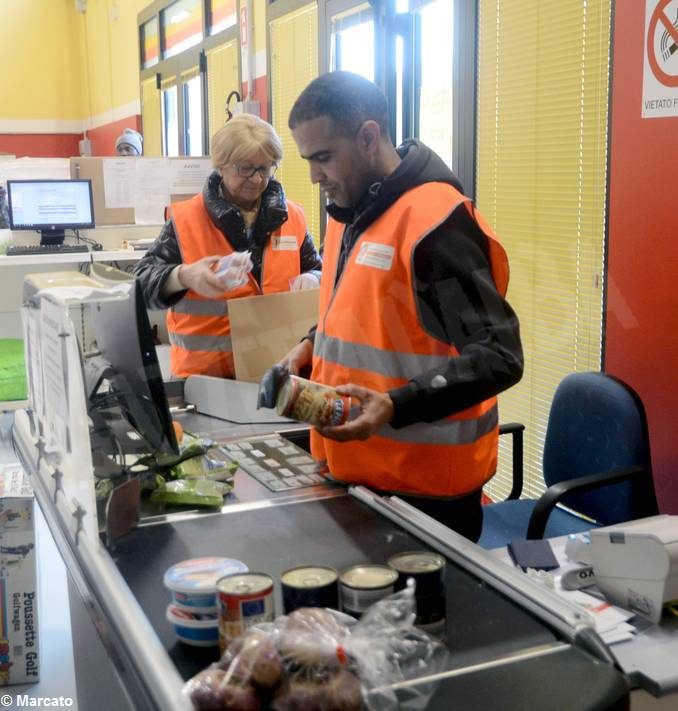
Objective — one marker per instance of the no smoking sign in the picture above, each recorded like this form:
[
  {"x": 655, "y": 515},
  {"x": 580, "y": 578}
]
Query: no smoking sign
[{"x": 660, "y": 62}]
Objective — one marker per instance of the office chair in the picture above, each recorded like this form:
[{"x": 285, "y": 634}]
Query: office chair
[{"x": 596, "y": 462}]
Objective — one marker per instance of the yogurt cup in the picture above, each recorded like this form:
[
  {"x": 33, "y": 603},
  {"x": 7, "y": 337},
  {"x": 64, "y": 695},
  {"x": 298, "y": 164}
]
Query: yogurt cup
[
  {"x": 193, "y": 628},
  {"x": 193, "y": 582}
]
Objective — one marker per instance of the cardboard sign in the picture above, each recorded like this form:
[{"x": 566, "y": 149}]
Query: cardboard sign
[
  {"x": 265, "y": 328},
  {"x": 18, "y": 595}
]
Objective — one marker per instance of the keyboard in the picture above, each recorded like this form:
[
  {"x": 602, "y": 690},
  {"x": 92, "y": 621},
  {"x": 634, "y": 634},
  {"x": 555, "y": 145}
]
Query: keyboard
[
  {"x": 273, "y": 461},
  {"x": 22, "y": 250}
]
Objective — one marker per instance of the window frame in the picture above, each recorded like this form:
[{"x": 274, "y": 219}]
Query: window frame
[{"x": 173, "y": 67}]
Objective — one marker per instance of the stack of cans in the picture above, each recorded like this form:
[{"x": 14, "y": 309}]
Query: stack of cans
[{"x": 193, "y": 611}]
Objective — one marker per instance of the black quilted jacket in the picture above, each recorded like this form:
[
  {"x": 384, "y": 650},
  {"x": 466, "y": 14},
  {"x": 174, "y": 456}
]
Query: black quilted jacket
[{"x": 155, "y": 266}]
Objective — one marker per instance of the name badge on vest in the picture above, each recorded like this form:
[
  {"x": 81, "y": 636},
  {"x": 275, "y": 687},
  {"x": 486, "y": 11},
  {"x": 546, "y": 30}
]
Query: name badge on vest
[
  {"x": 286, "y": 243},
  {"x": 373, "y": 254}
]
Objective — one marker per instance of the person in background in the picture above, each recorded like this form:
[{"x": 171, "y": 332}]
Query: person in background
[
  {"x": 241, "y": 209},
  {"x": 413, "y": 323},
  {"x": 129, "y": 143}
]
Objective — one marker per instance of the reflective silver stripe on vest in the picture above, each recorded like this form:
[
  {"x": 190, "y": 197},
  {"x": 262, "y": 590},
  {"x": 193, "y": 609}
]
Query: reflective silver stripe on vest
[
  {"x": 201, "y": 307},
  {"x": 388, "y": 363},
  {"x": 216, "y": 344},
  {"x": 443, "y": 431}
]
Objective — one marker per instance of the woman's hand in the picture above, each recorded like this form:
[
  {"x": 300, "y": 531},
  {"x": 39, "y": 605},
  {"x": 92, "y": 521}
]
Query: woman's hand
[
  {"x": 376, "y": 409},
  {"x": 200, "y": 277},
  {"x": 304, "y": 281},
  {"x": 298, "y": 357}
]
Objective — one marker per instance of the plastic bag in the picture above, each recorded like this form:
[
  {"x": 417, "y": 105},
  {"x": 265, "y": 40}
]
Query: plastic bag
[
  {"x": 323, "y": 660},
  {"x": 204, "y": 467},
  {"x": 304, "y": 281},
  {"x": 234, "y": 268},
  {"x": 194, "y": 492}
]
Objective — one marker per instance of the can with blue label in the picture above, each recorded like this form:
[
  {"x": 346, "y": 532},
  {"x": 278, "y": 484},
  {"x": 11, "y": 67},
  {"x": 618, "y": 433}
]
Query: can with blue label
[{"x": 243, "y": 599}]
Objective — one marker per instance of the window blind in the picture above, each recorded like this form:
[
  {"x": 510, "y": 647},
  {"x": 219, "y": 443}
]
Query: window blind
[
  {"x": 151, "y": 117},
  {"x": 294, "y": 63},
  {"x": 222, "y": 79},
  {"x": 541, "y": 182}
]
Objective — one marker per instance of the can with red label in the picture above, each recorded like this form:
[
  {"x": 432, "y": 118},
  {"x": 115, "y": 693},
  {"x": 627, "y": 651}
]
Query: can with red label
[
  {"x": 315, "y": 403},
  {"x": 244, "y": 599}
]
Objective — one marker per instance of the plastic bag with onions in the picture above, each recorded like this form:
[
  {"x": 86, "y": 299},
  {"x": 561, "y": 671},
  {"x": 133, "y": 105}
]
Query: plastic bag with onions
[{"x": 318, "y": 659}]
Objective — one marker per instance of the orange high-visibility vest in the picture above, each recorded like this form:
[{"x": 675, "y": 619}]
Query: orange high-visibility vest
[
  {"x": 199, "y": 329},
  {"x": 370, "y": 333}
]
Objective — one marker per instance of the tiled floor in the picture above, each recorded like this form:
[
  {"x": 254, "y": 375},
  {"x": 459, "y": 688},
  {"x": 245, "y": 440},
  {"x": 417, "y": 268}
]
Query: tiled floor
[{"x": 57, "y": 674}]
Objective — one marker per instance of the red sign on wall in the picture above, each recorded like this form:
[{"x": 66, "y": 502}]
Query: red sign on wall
[{"x": 660, "y": 65}]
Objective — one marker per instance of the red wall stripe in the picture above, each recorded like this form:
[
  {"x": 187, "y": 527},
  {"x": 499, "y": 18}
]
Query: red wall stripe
[
  {"x": 40, "y": 145},
  {"x": 65, "y": 145}
]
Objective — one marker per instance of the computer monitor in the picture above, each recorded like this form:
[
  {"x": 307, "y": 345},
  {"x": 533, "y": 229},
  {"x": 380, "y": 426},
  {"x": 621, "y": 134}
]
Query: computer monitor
[
  {"x": 50, "y": 207},
  {"x": 128, "y": 361}
]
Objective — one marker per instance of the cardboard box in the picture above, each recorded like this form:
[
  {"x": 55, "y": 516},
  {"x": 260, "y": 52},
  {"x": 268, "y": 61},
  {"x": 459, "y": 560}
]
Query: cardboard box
[
  {"x": 265, "y": 328},
  {"x": 18, "y": 590}
]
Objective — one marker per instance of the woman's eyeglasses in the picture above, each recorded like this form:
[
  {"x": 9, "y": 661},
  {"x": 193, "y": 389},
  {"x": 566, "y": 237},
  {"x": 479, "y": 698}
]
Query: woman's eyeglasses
[{"x": 266, "y": 172}]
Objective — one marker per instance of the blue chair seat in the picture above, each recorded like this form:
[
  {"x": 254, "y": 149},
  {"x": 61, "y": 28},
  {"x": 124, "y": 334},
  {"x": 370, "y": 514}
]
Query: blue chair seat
[
  {"x": 501, "y": 522},
  {"x": 596, "y": 461}
]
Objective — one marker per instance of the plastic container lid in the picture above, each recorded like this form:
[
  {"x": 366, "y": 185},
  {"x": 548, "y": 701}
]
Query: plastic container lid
[{"x": 199, "y": 575}]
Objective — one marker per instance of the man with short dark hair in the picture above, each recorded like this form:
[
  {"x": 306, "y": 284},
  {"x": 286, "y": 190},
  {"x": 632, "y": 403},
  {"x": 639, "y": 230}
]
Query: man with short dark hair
[{"x": 413, "y": 323}]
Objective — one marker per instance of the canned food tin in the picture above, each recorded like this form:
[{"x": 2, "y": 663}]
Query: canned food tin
[
  {"x": 428, "y": 571},
  {"x": 310, "y": 586},
  {"x": 244, "y": 599},
  {"x": 315, "y": 403},
  {"x": 362, "y": 585}
]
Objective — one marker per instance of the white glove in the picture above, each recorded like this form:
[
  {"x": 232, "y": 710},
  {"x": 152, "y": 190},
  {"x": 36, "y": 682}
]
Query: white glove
[
  {"x": 233, "y": 269},
  {"x": 304, "y": 281}
]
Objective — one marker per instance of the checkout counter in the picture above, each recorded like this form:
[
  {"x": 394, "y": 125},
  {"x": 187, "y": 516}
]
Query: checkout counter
[{"x": 512, "y": 644}]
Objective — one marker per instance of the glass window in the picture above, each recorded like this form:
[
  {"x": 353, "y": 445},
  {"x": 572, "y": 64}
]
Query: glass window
[
  {"x": 170, "y": 122},
  {"x": 223, "y": 15},
  {"x": 193, "y": 123},
  {"x": 352, "y": 41},
  {"x": 150, "y": 46},
  {"x": 435, "y": 98},
  {"x": 181, "y": 26}
]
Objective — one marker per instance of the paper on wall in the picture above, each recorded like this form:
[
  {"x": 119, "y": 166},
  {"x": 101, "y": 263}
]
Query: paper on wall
[
  {"x": 151, "y": 191},
  {"x": 119, "y": 177},
  {"x": 186, "y": 177}
]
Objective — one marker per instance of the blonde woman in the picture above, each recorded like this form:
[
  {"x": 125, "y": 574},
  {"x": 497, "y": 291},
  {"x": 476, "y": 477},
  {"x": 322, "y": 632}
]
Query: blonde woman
[{"x": 242, "y": 209}]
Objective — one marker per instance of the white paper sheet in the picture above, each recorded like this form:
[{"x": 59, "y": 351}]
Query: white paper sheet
[
  {"x": 151, "y": 191},
  {"x": 187, "y": 176},
  {"x": 119, "y": 177}
]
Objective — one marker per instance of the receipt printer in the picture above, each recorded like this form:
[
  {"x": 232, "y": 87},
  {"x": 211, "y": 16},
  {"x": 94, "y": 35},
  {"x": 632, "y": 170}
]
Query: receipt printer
[{"x": 636, "y": 563}]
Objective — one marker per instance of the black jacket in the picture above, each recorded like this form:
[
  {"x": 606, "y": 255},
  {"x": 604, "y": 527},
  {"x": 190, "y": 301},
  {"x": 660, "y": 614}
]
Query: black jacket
[
  {"x": 164, "y": 255},
  {"x": 456, "y": 294}
]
